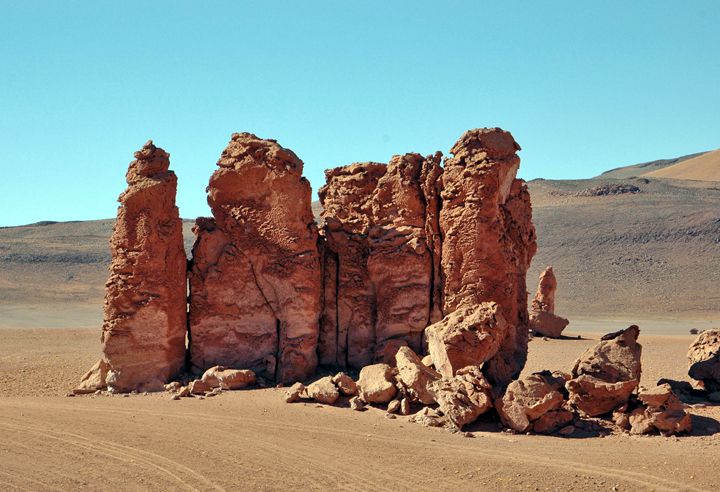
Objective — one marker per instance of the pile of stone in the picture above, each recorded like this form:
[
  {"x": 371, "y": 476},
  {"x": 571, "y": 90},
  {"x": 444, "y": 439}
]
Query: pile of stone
[
  {"x": 603, "y": 385},
  {"x": 704, "y": 359}
]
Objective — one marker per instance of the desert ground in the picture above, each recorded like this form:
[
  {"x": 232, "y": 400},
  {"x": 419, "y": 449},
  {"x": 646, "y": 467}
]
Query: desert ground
[
  {"x": 253, "y": 440},
  {"x": 648, "y": 267}
]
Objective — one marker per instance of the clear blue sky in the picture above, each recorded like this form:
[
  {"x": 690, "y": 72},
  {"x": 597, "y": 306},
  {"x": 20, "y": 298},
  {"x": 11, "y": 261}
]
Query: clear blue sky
[{"x": 583, "y": 86}]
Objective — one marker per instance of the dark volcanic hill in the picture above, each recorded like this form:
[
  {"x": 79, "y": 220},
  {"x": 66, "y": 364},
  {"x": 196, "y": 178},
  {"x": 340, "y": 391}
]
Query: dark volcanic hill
[{"x": 623, "y": 243}]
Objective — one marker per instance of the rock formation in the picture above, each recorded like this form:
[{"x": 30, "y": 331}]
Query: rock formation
[
  {"x": 528, "y": 399},
  {"x": 381, "y": 260},
  {"x": 488, "y": 240},
  {"x": 704, "y": 358},
  {"x": 654, "y": 410},
  {"x": 462, "y": 398},
  {"x": 255, "y": 281},
  {"x": 543, "y": 320},
  {"x": 146, "y": 299},
  {"x": 415, "y": 376},
  {"x": 606, "y": 375}
]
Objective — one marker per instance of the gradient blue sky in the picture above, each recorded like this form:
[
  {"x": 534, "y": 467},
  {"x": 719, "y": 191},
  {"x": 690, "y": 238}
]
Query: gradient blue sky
[{"x": 583, "y": 86}]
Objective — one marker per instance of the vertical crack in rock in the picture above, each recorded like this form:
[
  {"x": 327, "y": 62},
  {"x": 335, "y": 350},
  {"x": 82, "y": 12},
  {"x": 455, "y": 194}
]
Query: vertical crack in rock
[
  {"x": 145, "y": 308},
  {"x": 488, "y": 240},
  {"x": 256, "y": 276},
  {"x": 381, "y": 228}
]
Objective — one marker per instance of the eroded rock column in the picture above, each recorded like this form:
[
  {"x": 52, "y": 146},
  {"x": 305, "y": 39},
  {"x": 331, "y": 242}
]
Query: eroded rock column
[
  {"x": 145, "y": 309},
  {"x": 255, "y": 280},
  {"x": 488, "y": 239}
]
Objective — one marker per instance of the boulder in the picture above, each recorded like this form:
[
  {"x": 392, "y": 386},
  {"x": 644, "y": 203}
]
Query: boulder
[
  {"x": 294, "y": 393},
  {"x": 93, "y": 380},
  {"x": 605, "y": 376},
  {"x": 488, "y": 241},
  {"x": 661, "y": 411},
  {"x": 464, "y": 397},
  {"x": 255, "y": 278},
  {"x": 553, "y": 421},
  {"x": 199, "y": 387},
  {"x": 427, "y": 417},
  {"x": 704, "y": 358},
  {"x": 376, "y": 384},
  {"x": 357, "y": 404},
  {"x": 415, "y": 375},
  {"x": 529, "y": 398},
  {"x": 144, "y": 325},
  {"x": 393, "y": 407},
  {"x": 323, "y": 391},
  {"x": 468, "y": 336},
  {"x": 345, "y": 384},
  {"x": 228, "y": 379}
]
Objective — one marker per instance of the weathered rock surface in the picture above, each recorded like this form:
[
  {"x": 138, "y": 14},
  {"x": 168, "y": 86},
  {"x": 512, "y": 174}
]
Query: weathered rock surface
[
  {"x": 528, "y": 399},
  {"x": 255, "y": 281},
  {"x": 345, "y": 384},
  {"x": 427, "y": 417},
  {"x": 606, "y": 375},
  {"x": 376, "y": 384},
  {"x": 294, "y": 393},
  {"x": 655, "y": 410},
  {"x": 93, "y": 380},
  {"x": 468, "y": 336},
  {"x": 323, "y": 391},
  {"x": 543, "y": 320},
  {"x": 144, "y": 323},
  {"x": 415, "y": 375},
  {"x": 228, "y": 379},
  {"x": 704, "y": 357},
  {"x": 381, "y": 258},
  {"x": 464, "y": 397},
  {"x": 488, "y": 240}
]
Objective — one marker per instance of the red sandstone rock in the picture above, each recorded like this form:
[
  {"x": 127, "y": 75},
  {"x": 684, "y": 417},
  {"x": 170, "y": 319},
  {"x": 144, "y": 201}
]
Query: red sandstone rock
[
  {"x": 415, "y": 376},
  {"x": 93, "y": 380},
  {"x": 381, "y": 258},
  {"x": 255, "y": 282},
  {"x": 145, "y": 300},
  {"x": 376, "y": 384},
  {"x": 463, "y": 397},
  {"x": 528, "y": 399},
  {"x": 605, "y": 376},
  {"x": 543, "y": 320},
  {"x": 323, "y": 391},
  {"x": 345, "y": 384},
  {"x": 228, "y": 379},
  {"x": 704, "y": 357},
  {"x": 488, "y": 240},
  {"x": 469, "y": 336}
]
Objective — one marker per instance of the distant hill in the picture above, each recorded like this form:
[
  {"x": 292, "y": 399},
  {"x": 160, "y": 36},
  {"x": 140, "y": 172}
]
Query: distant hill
[{"x": 620, "y": 245}]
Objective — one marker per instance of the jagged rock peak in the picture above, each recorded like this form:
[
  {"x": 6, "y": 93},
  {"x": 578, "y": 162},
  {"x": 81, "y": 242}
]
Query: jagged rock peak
[
  {"x": 149, "y": 162},
  {"x": 495, "y": 142},
  {"x": 247, "y": 149}
]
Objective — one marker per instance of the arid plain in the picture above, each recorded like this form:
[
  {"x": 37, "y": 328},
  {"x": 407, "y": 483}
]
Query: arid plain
[{"x": 636, "y": 245}]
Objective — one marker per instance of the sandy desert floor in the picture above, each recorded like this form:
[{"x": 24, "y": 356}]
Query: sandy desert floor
[{"x": 250, "y": 440}]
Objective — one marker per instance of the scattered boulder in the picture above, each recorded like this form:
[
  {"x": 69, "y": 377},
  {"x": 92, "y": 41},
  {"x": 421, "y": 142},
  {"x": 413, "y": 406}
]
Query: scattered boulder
[
  {"x": 294, "y": 393},
  {"x": 553, "y": 421},
  {"x": 357, "y": 404},
  {"x": 415, "y": 375},
  {"x": 376, "y": 384},
  {"x": 393, "y": 406},
  {"x": 467, "y": 336},
  {"x": 93, "y": 380},
  {"x": 605, "y": 376},
  {"x": 228, "y": 379},
  {"x": 173, "y": 387},
  {"x": 704, "y": 358},
  {"x": 528, "y": 399},
  {"x": 464, "y": 397},
  {"x": 405, "y": 406},
  {"x": 427, "y": 417},
  {"x": 145, "y": 308},
  {"x": 323, "y": 391},
  {"x": 345, "y": 384},
  {"x": 655, "y": 410},
  {"x": 199, "y": 387}
]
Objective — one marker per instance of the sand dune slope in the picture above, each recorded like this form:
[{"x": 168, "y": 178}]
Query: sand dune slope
[{"x": 705, "y": 167}]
